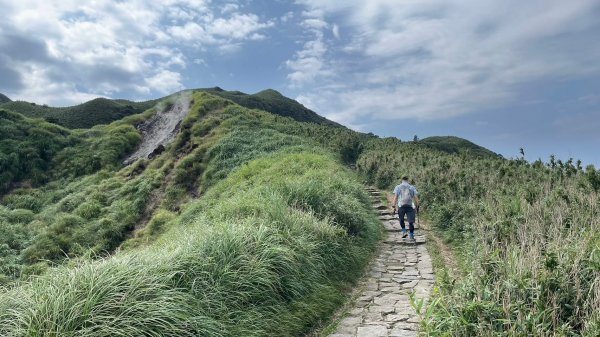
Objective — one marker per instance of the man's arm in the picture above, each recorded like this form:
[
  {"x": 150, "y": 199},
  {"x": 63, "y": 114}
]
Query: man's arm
[
  {"x": 415, "y": 196},
  {"x": 395, "y": 202}
]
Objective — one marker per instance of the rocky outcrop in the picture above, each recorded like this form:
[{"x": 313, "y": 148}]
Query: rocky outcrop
[{"x": 161, "y": 129}]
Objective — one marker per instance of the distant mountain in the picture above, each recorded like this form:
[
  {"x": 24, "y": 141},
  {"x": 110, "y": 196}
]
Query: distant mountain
[
  {"x": 274, "y": 102},
  {"x": 451, "y": 144},
  {"x": 105, "y": 111},
  {"x": 4, "y": 99},
  {"x": 86, "y": 115}
]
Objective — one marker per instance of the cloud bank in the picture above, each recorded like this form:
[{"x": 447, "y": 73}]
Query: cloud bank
[
  {"x": 437, "y": 59},
  {"x": 68, "y": 51}
]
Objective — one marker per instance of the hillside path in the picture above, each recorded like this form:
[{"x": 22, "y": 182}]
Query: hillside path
[{"x": 382, "y": 306}]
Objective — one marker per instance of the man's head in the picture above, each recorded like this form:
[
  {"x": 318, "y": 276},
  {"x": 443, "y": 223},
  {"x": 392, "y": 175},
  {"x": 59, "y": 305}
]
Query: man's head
[{"x": 405, "y": 178}]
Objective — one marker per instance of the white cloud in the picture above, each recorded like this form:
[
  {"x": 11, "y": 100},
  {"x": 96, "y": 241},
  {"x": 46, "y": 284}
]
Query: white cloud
[
  {"x": 238, "y": 26},
  {"x": 315, "y": 24},
  {"x": 230, "y": 7},
  {"x": 432, "y": 59},
  {"x": 335, "y": 30},
  {"x": 287, "y": 17},
  {"x": 191, "y": 32},
  {"x": 200, "y": 61},
  {"x": 165, "y": 82},
  {"x": 106, "y": 47},
  {"x": 309, "y": 63}
]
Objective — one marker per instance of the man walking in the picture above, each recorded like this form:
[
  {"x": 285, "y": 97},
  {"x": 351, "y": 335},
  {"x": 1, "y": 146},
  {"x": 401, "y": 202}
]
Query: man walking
[{"x": 406, "y": 198}]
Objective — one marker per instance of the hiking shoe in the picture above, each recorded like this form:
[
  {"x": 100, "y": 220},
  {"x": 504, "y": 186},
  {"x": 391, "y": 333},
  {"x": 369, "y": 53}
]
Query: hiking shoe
[
  {"x": 404, "y": 233},
  {"x": 412, "y": 237}
]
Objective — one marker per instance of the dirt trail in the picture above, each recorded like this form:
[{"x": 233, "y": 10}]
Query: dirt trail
[{"x": 382, "y": 306}]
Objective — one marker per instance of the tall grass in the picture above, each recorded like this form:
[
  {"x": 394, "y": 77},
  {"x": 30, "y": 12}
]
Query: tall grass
[
  {"x": 262, "y": 261},
  {"x": 528, "y": 232}
]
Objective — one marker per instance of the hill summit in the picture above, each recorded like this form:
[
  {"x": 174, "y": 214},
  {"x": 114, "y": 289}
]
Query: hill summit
[
  {"x": 274, "y": 102},
  {"x": 4, "y": 99},
  {"x": 105, "y": 111},
  {"x": 457, "y": 145}
]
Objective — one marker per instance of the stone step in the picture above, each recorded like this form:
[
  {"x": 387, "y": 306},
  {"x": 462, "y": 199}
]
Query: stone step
[
  {"x": 383, "y": 304},
  {"x": 395, "y": 238}
]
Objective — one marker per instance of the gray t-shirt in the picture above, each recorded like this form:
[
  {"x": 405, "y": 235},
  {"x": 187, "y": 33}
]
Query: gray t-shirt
[{"x": 406, "y": 194}]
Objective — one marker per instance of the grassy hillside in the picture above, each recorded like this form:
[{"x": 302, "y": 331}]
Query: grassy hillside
[
  {"x": 528, "y": 235},
  {"x": 274, "y": 102},
  {"x": 105, "y": 111},
  {"x": 86, "y": 115},
  {"x": 27, "y": 147},
  {"x": 251, "y": 224},
  {"x": 4, "y": 99},
  {"x": 280, "y": 230},
  {"x": 456, "y": 145}
]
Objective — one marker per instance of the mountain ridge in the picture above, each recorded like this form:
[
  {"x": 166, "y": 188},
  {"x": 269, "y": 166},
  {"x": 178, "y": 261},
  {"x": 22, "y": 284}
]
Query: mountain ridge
[
  {"x": 104, "y": 110},
  {"x": 4, "y": 99},
  {"x": 457, "y": 145}
]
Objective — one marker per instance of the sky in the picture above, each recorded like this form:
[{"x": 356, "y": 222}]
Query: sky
[{"x": 504, "y": 74}]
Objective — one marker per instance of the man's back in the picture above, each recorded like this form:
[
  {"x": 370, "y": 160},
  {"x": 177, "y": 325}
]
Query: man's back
[{"x": 405, "y": 193}]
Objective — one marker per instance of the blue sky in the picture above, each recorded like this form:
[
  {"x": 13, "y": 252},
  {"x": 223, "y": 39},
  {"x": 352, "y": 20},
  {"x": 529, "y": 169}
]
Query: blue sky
[{"x": 504, "y": 74}]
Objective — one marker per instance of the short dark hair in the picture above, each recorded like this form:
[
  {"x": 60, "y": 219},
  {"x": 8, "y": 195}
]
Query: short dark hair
[{"x": 405, "y": 178}]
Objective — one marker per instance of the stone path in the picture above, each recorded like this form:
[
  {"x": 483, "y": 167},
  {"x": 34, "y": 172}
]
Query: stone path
[{"x": 382, "y": 305}]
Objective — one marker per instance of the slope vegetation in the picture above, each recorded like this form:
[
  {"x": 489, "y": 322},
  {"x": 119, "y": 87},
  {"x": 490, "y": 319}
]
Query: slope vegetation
[
  {"x": 250, "y": 224},
  {"x": 274, "y": 102},
  {"x": 105, "y": 111},
  {"x": 86, "y": 115},
  {"x": 528, "y": 235},
  {"x": 27, "y": 147},
  {"x": 4, "y": 99},
  {"x": 456, "y": 145},
  {"x": 280, "y": 230}
]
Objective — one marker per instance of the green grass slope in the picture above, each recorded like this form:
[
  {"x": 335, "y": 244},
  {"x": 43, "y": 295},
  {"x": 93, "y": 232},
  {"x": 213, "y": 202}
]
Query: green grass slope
[
  {"x": 27, "y": 147},
  {"x": 280, "y": 230},
  {"x": 272, "y": 101},
  {"x": 456, "y": 145},
  {"x": 105, "y": 111},
  {"x": 250, "y": 224},
  {"x": 528, "y": 235}
]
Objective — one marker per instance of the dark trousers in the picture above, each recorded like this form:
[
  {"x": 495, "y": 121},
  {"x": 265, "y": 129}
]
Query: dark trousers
[{"x": 410, "y": 214}]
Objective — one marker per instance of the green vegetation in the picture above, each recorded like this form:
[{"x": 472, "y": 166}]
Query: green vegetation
[
  {"x": 105, "y": 111},
  {"x": 272, "y": 101},
  {"x": 86, "y": 115},
  {"x": 530, "y": 232},
  {"x": 268, "y": 260},
  {"x": 280, "y": 231},
  {"x": 4, "y": 99},
  {"x": 456, "y": 145},
  {"x": 27, "y": 147},
  {"x": 250, "y": 224}
]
